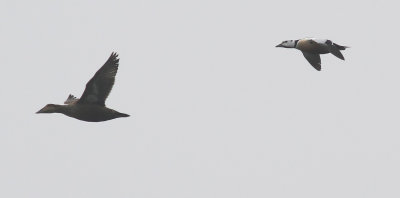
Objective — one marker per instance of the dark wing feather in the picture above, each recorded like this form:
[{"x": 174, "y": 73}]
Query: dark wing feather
[
  {"x": 71, "y": 99},
  {"x": 333, "y": 49},
  {"x": 313, "y": 59},
  {"x": 99, "y": 87}
]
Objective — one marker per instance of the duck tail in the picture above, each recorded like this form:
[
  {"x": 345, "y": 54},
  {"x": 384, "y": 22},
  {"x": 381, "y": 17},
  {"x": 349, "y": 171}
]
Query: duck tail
[{"x": 340, "y": 47}]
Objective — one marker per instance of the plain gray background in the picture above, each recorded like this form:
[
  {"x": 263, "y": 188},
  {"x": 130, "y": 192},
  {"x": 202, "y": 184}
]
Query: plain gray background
[{"x": 216, "y": 110}]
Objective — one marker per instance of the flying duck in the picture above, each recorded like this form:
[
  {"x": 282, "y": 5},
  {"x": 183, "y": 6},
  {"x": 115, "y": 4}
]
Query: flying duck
[
  {"x": 312, "y": 48},
  {"x": 91, "y": 106}
]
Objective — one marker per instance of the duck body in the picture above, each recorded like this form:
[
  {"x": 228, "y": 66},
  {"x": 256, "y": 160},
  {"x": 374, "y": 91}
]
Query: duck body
[
  {"x": 84, "y": 112},
  {"x": 312, "y": 48},
  {"x": 91, "y": 106},
  {"x": 92, "y": 113}
]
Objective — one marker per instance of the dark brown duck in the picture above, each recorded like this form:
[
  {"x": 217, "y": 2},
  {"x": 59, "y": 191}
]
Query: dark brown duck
[{"x": 91, "y": 106}]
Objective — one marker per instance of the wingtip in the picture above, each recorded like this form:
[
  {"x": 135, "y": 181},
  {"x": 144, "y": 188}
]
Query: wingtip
[
  {"x": 113, "y": 57},
  {"x": 114, "y": 54}
]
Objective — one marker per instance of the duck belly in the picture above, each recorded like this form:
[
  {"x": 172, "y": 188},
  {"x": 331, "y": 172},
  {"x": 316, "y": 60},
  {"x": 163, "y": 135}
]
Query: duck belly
[
  {"x": 312, "y": 47},
  {"x": 92, "y": 113}
]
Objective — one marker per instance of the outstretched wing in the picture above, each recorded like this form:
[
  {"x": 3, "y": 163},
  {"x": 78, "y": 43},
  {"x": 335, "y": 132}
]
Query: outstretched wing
[
  {"x": 333, "y": 49},
  {"x": 313, "y": 59},
  {"x": 99, "y": 87}
]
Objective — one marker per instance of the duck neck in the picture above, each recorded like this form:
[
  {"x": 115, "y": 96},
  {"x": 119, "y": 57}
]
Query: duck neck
[
  {"x": 295, "y": 43},
  {"x": 62, "y": 109}
]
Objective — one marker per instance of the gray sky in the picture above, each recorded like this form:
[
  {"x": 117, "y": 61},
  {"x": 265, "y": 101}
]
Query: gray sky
[{"x": 216, "y": 110}]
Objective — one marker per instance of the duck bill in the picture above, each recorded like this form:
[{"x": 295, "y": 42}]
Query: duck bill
[{"x": 280, "y": 45}]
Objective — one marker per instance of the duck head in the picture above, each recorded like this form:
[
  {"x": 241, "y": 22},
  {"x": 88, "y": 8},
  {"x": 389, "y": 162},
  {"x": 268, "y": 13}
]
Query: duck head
[{"x": 288, "y": 44}]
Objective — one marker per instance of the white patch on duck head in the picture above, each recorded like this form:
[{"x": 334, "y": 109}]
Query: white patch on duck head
[{"x": 288, "y": 44}]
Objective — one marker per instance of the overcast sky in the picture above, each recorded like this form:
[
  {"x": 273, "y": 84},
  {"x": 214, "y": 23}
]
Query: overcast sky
[{"x": 216, "y": 110}]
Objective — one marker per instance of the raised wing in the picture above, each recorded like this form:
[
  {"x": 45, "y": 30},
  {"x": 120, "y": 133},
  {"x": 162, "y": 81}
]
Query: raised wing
[
  {"x": 313, "y": 59},
  {"x": 99, "y": 87},
  {"x": 71, "y": 99}
]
